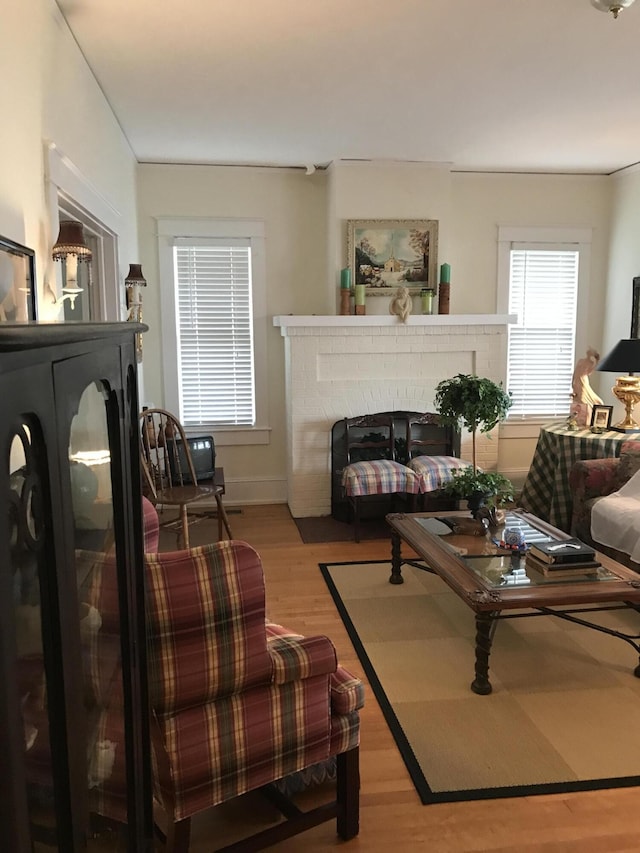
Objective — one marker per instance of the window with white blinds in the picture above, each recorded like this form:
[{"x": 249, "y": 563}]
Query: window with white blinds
[
  {"x": 215, "y": 332},
  {"x": 214, "y": 326},
  {"x": 543, "y": 293}
]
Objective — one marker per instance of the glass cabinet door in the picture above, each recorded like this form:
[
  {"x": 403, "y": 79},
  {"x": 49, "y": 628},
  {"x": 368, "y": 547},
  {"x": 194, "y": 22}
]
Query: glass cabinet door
[
  {"x": 28, "y": 574},
  {"x": 96, "y": 575},
  {"x": 75, "y": 770}
]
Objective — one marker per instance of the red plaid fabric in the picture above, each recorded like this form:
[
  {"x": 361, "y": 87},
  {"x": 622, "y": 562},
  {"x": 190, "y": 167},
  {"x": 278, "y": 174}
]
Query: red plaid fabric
[
  {"x": 151, "y": 526},
  {"x": 347, "y": 692},
  {"x": 205, "y": 619},
  {"x": 264, "y": 708},
  {"x": 379, "y": 477},
  {"x": 237, "y": 701},
  {"x": 435, "y": 471},
  {"x": 104, "y": 694}
]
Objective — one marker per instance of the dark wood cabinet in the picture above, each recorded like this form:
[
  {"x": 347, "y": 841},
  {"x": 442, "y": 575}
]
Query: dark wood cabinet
[{"x": 73, "y": 695}]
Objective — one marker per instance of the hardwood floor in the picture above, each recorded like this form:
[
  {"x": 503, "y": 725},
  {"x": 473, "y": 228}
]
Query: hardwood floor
[{"x": 391, "y": 814}]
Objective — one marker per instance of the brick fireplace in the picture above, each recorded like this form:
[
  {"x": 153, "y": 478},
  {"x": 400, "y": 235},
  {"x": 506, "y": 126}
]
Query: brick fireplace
[{"x": 343, "y": 366}]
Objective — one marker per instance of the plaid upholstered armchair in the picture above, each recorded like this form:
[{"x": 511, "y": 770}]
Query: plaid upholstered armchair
[
  {"x": 237, "y": 701},
  {"x": 592, "y": 479}
]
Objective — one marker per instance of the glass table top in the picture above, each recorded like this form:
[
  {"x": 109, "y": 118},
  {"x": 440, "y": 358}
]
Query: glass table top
[{"x": 511, "y": 569}]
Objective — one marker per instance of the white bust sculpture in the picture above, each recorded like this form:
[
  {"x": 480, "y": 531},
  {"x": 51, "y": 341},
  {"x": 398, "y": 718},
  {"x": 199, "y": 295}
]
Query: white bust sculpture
[{"x": 401, "y": 304}]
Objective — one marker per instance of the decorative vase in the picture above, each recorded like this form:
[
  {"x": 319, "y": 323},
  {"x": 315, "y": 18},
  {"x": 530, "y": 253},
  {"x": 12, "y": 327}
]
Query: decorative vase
[{"x": 476, "y": 500}]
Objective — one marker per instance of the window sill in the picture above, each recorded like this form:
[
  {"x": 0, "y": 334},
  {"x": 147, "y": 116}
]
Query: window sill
[
  {"x": 527, "y": 428},
  {"x": 229, "y": 436}
]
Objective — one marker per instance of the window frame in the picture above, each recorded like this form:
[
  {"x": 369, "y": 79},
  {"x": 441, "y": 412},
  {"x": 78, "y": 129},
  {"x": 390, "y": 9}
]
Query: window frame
[
  {"x": 168, "y": 230},
  {"x": 70, "y": 195},
  {"x": 575, "y": 239}
]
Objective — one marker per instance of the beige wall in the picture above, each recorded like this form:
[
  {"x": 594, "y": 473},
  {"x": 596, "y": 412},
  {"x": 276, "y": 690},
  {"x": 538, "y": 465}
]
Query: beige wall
[
  {"x": 624, "y": 257},
  {"x": 306, "y": 247},
  {"x": 292, "y": 205},
  {"x": 480, "y": 204},
  {"x": 50, "y": 95}
]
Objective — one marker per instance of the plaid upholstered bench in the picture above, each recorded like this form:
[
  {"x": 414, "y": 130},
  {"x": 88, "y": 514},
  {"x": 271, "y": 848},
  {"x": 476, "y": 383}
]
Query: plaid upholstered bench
[{"x": 390, "y": 457}]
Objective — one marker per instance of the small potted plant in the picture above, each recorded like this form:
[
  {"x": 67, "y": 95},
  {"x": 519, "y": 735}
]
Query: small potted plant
[
  {"x": 480, "y": 489},
  {"x": 477, "y": 404}
]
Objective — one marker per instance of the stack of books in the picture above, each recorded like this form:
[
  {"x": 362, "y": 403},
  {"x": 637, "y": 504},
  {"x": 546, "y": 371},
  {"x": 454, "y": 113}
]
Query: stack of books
[{"x": 562, "y": 558}]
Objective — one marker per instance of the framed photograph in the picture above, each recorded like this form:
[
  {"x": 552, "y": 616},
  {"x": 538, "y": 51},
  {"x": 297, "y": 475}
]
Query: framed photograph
[
  {"x": 17, "y": 282},
  {"x": 601, "y": 418},
  {"x": 635, "y": 309},
  {"x": 386, "y": 253}
]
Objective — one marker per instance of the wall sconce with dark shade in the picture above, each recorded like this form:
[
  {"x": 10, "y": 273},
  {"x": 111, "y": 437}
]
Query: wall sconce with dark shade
[
  {"x": 133, "y": 282},
  {"x": 625, "y": 358},
  {"x": 70, "y": 248}
]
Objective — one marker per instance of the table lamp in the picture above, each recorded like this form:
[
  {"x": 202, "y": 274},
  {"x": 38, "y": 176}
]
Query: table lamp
[{"x": 625, "y": 358}]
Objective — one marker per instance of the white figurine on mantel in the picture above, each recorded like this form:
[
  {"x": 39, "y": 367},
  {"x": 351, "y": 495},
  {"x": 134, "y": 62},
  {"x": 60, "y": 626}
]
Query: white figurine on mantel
[
  {"x": 401, "y": 304},
  {"x": 584, "y": 397}
]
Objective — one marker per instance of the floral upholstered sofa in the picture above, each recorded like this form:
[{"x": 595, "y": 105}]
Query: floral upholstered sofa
[{"x": 592, "y": 479}]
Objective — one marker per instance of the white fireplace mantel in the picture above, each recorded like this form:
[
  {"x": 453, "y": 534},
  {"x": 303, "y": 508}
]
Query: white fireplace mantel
[
  {"x": 285, "y": 321},
  {"x": 341, "y": 366}
]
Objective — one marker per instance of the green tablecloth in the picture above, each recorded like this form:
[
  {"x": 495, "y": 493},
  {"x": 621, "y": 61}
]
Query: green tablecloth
[{"x": 546, "y": 490}]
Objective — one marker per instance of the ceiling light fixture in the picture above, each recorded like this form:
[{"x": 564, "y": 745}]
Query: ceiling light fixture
[{"x": 613, "y": 6}]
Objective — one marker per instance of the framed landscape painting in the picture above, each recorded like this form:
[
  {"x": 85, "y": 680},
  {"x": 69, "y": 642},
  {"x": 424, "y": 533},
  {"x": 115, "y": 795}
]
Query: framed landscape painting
[
  {"x": 17, "y": 282},
  {"x": 384, "y": 254}
]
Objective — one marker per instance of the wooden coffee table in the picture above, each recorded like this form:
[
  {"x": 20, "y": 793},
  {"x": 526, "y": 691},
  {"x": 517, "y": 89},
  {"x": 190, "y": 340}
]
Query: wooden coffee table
[{"x": 492, "y": 581}]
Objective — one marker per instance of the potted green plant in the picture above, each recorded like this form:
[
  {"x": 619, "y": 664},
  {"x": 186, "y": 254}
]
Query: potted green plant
[{"x": 477, "y": 404}]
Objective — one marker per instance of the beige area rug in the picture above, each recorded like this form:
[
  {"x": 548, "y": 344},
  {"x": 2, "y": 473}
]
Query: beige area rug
[{"x": 564, "y": 714}]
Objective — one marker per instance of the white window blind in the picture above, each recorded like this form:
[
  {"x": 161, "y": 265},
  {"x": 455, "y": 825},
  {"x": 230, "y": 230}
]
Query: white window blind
[
  {"x": 543, "y": 293},
  {"x": 215, "y": 331}
]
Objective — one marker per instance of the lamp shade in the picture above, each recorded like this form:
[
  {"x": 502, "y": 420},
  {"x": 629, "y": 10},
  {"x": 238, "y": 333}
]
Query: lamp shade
[
  {"x": 134, "y": 276},
  {"x": 623, "y": 358},
  {"x": 71, "y": 242}
]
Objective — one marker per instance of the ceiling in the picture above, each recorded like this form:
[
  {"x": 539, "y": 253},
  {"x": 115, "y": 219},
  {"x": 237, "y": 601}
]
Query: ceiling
[{"x": 486, "y": 85}]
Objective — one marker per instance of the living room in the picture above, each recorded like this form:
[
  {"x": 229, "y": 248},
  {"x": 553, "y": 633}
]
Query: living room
[{"x": 66, "y": 141}]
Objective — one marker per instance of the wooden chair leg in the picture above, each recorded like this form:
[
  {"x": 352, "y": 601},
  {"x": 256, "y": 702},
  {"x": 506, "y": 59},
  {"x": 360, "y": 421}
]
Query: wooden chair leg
[
  {"x": 348, "y": 793},
  {"x": 356, "y": 519},
  {"x": 178, "y": 836},
  {"x": 222, "y": 519},
  {"x": 184, "y": 523}
]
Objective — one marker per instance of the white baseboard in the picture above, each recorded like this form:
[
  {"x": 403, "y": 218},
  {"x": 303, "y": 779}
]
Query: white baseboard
[
  {"x": 245, "y": 491},
  {"x": 516, "y": 475}
]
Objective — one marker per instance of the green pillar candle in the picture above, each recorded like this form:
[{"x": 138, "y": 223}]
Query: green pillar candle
[
  {"x": 360, "y": 294},
  {"x": 345, "y": 279},
  {"x": 445, "y": 273}
]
